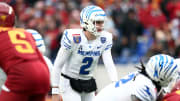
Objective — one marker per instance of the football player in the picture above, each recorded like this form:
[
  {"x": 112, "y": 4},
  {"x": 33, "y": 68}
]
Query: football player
[
  {"x": 41, "y": 46},
  {"x": 143, "y": 85},
  {"x": 27, "y": 73},
  {"x": 78, "y": 56}
]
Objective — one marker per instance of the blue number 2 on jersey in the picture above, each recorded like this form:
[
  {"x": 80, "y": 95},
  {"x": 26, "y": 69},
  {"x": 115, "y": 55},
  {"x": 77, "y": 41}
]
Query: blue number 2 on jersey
[
  {"x": 124, "y": 80},
  {"x": 83, "y": 69}
]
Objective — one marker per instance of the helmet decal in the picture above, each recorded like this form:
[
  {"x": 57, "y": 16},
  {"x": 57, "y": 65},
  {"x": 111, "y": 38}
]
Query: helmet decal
[{"x": 161, "y": 68}]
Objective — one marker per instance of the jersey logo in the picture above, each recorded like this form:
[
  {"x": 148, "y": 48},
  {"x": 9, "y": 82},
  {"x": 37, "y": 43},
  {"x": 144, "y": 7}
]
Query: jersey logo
[
  {"x": 103, "y": 39},
  {"x": 178, "y": 92},
  {"x": 3, "y": 17},
  {"x": 98, "y": 47},
  {"x": 76, "y": 38}
]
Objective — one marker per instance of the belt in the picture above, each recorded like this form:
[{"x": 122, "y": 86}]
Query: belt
[{"x": 67, "y": 77}]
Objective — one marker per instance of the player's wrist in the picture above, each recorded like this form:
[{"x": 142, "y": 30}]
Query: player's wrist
[
  {"x": 55, "y": 90},
  {"x": 113, "y": 81}
]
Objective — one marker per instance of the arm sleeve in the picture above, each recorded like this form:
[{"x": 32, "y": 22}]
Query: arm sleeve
[
  {"x": 49, "y": 63},
  {"x": 109, "y": 65},
  {"x": 50, "y": 66},
  {"x": 61, "y": 58}
]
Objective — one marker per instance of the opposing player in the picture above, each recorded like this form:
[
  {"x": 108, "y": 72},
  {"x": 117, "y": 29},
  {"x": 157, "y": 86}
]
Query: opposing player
[
  {"x": 27, "y": 73},
  {"x": 78, "y": 56},
  {"x": 143, "y": 85}
]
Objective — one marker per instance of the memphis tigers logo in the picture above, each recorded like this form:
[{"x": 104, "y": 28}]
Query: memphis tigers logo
[
  {"x": 76, "y": 38},
  {"x": 103, "y": 39}
]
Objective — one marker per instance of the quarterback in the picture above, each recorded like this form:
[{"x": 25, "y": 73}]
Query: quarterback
[{"x": 78, "y": 56}]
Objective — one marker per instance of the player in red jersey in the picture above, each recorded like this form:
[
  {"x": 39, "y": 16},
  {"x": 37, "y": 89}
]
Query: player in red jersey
[
  {"x": 27, "y": 72},
  {"x": 175, "y": 93}
]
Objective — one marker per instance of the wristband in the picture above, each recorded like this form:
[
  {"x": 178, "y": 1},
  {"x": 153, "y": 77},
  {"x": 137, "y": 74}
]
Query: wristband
[{"x": 55, "y": 90}]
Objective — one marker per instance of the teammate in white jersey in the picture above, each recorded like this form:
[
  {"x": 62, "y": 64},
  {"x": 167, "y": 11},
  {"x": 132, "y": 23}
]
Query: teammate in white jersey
[
  {"x": 78, "y": 56},
  {"x": 41, "y": 46},
  {"x": 143, "y": 85}
]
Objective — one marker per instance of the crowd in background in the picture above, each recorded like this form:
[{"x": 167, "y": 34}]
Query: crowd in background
[{"x": 141, "y": 28}]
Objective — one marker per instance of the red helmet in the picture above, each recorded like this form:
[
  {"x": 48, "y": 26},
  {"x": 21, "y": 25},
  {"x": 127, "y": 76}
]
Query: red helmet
[{"x": 7, "y": 16}]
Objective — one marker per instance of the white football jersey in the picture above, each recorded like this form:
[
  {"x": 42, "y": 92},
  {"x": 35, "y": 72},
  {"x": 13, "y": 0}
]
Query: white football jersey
[
  {"x": 133, "y": 84},
  {"x": 84, "y": 53}
]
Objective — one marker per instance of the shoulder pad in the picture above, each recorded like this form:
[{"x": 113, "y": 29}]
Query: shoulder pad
[
  {"x": 106, "y": 38},
  {"x": 145, "y": 90}
]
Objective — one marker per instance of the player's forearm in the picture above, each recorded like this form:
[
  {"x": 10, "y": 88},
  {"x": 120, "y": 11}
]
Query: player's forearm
[
  {"x": 61, "y": 58},
  {"x": 55, "y": 76},
  {"x": 109, "y": 65}
]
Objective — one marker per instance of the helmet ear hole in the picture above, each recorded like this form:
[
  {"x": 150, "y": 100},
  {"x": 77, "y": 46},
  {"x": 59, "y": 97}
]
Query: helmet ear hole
[{"x": 86, "y": 23}]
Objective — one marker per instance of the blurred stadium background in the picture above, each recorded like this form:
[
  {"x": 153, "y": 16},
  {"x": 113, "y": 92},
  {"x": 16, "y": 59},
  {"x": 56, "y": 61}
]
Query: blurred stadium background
[{"x": 140, "y": 28}]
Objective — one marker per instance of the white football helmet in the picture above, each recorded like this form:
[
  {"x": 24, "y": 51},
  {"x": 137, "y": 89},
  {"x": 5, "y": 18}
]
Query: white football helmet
[
  {"x": 88, "y": 17},
  {"x": 178, "y": 61},
  {"x": 162, "y": 69},
  {"x": 39, "y": 40}
]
